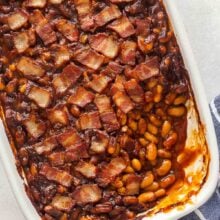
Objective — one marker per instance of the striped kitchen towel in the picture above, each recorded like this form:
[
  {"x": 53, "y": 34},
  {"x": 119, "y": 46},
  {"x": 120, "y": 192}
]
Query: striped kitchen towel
[{"x": 211, "y": 210}]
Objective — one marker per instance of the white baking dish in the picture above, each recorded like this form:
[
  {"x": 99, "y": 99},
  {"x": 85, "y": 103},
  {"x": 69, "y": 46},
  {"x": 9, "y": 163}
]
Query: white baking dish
[{"x": 195, "y": 139}]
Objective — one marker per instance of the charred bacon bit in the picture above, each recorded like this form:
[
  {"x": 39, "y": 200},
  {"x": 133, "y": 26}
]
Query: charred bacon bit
[
  {"x": 146, "y": 70},
  {"x": 57, "y": 158},
  {"x": 34, "y": 126},
  {"x": 121, "y": 1},
  {"x": 111, "y": 171},
  {"x": 107, "y": 114},
  {"x": 70, "y": 138},
  {"x": 89, "y": 58},
  {"x": 17, "y": 20},
  {"x": 128, "y": 52},
  {"x": 40, "y": 96},
  {"x": 143, "y": 27},
  {"x": 36, "y": 3},
  {"x": 123, "y": 102},
  {"x": 21, "y": 42},
  {"x": 109, "y": 13},
  {"x": 58, "y": 114},
  {"x": 86, "y": 169},
  {"x": 90, "y": 121},
  {"x": 60, "y": 176},
  {"x": 68, "y": 77},
  {"x": 99, "y": 83},
  {"x": 123, "y": 27},
  {"x": 99, "y": 142},
  {"x": 89, "y": 193},
  {"x": 77, "y": 152},
  {"x": 112, "y": 69},
  {"x": 62, "y": 55},
  {"x": 134, "y": 90},
  {"x": 63, "y": 203},
  {"x": 132, "y": 184},
  {"x": 30, "y": 68},
  {"x": 68, "y": 29},
  {"x": 46, "y": 146},
  {"x": 81, "y": 97},
  {"x": 104, "y": 44}
]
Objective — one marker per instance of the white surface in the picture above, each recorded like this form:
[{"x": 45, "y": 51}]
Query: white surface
[{"x": 202, "y": 22}]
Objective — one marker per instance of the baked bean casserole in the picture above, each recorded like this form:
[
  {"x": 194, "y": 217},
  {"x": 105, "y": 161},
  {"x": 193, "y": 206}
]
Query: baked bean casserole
[{"x": 93, "y": 95}]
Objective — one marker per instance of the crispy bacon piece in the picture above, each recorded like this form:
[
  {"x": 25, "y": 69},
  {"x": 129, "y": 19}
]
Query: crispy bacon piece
[
  {"x": 34, "y": 126},
  {"x": 61, "y": 55},
  {"x": 68, "y": 29},
  {"x": 89, "y": 121},
  {"x": 89, "y": 58},
  {"x": 30, "y": 68},
  {"x": 122, "y": 26},
  {"x": 68, "y": 77},
  {"x": 57, "y": 158},
  {"x": 111, "y": 171},
  {"x": 21, "y": 41},
  {"x": 58, "y": 114},
  {"x": 88, "y": 170},
  {"x": 40, "y": 96},
  {"x": 46, "y": 146},
  {"x": 63, "y": 203},
  {"x": 104, "y": 44},
  {"x": 17, "y": 20},
  {"x": 77, "y": 152},
  {"x": 89, "y": 193},
  {"x": 36, "y": 3},
  {"x": 118, "y": 85},
  {"x": 109, "y": 13},
  {"x": 132, "y": 184},
  {"x": 143, "y": 27},
  {"x": 81, "y": 97},
  {"x": 60, "y": 176},
  {"x": 123, "y": 102},
  {"x": 146, "y": 70},
  {"x": 99, "y": 142},
  {"x": 128, "y": 52},
  {"x": 56, "y": 2},
  {"x": 107, "y": 114},
  {"x": 121, "y": 1},
  {"x": 112, "y": 69},
  {"x": 134, "y": 90},
  {"x": 99, "y": 83}
]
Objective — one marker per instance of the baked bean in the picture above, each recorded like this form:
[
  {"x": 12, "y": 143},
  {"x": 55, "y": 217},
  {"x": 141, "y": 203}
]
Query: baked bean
[
  {"x": 151, "y": 153},
  {"x": 75, "y": 111},
  {"x": 136, "y": 164},
  {"x": 33, "y": 169},
  {"x": 167, "y": 181},
  {"x": 142, "y": 126},
  {"x": 122, "y": 117},
  {"x": 164, "y": 154},
  {"x": 180, "y": 100},
  {"x": 150, "y": 137},
  {"x": 170, "y": 140},
  {"x": 164, "y": 168},
  {"x": 149, "y": 96},
  {"x": 129, "y": 169},
  {"x": 143, "y": 141},
  {"x": 130, "y": 200},
  {"x": 146, "y": 197},
  {"x": 153, "y": 187},
  {"x": 117, "y": 183},
  {"x": 160, "y": 193},
  {"x": 152, "y": 129},
  {"x": 154, "y": 120},
  {"x": 148, "y": 180},
  {"x": 166, "y": 127},
  {"x": 152, "y": 83},
  {"x": 176, "y": 111},
  {"x": 122, "y": 191},
  {"x": 132, "y": 124},
  {"x": 2, "y": 84},
  {"x": 148, "y": 107},
  {"x": 170, "y": 98}
]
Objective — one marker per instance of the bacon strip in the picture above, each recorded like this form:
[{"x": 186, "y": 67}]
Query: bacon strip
[
  {"x": 68, "y": 77},
  {"x": 122, "y": 26},
  {"x": 123, "y": 102},
  {"x": 58, "y": 114},
  {"x": 90, "y": 121},
  {"x": 21, "y": 42},
  {"x": 111, "y": 171},
  {"x": 40, "y": 96},
  {"x": 68, "y": 29},
  {"x": 86, "y": 169},
  {"x": 99, "y": 83},
  {"x": 81, "y": 97},
  {"x": 89, "y": 58},
  {"x": 36, "y": 3},
  {"x": 109, "y": 13},
  {"x": 17, "y": 20},
  {"x": 34, "y": 126},
  {"x": 104, "y": 44},
  {"x": 99, "y": 142},
  {"x": 54, "y": 174},
  {"x": 134, "y": 90},
  {"x": 89, "y": 193},
  {"x": 30, "y": 68},
  {"x": 46, "y": 145},
  {"x": 63, "y": 203},
  {"x": 146, "y": 70},
  {"x": 107, "y": 114},
  {"x": 57, "y": 158},
  {"x": 128, "y": 52}
]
